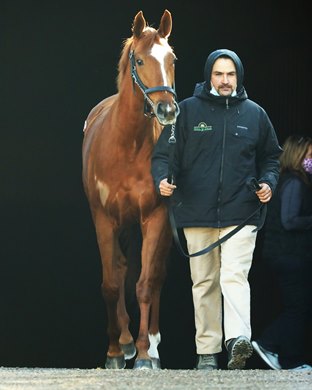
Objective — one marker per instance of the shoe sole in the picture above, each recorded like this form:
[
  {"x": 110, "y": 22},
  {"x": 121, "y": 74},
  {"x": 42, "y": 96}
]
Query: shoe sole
[
  {"x": 207, "y": 368},
  {"x": 263, "y": 356},
  {"x": 241, "y": 351}
]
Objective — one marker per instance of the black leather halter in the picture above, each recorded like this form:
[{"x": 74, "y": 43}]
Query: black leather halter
[{"x": 149, "y": 111}]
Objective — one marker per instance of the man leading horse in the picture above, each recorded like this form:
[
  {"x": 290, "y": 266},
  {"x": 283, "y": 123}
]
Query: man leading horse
[{"x": 223, "y": 139}]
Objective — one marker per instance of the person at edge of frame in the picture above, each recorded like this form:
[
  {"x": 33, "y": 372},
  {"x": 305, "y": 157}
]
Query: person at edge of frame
[
  {"x": 222, "y": 140},
  {"x": 287, "y": 251}
]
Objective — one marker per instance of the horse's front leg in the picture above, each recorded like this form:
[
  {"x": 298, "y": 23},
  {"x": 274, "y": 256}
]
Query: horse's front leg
[
  {"x": 125, "y": 340},
  {"x": 163, "y": 248},
  {"x": 156, "y": 244},
  {"x": 153, "y": 332},
  {"x": 114, "y": 270}
]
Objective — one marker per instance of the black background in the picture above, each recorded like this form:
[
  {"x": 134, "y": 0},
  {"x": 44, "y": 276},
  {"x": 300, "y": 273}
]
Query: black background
[{"x": 58, "y": 60}]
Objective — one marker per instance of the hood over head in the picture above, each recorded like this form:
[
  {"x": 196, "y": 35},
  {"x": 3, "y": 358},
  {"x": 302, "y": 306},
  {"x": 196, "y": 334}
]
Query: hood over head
[{"x": 224, "y": 53}]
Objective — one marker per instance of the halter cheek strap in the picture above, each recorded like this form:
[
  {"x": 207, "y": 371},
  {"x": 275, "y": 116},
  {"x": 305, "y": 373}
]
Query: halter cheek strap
[{"x": 146, "y": 91}]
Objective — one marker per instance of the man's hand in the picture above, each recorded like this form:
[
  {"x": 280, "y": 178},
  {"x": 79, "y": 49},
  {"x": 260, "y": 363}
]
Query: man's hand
[
  {"x": 265, "y": 194},
  {"x": 165, "y": 188}
]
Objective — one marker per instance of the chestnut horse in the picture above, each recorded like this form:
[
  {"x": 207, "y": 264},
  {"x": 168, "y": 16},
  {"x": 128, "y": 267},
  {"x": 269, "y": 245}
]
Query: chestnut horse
[{"x": 119, "y": 136}]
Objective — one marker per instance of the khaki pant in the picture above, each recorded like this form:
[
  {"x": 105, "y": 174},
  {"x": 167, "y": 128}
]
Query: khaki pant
[{"x": 221, "y": 272}]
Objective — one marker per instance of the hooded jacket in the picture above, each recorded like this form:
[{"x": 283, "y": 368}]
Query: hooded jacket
[{"x": 221, "y": 142}]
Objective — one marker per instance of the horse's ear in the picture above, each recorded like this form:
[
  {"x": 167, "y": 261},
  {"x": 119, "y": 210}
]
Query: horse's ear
[
  {"x": 139, "y": 24},
  {"x": 165, "y": 25}
]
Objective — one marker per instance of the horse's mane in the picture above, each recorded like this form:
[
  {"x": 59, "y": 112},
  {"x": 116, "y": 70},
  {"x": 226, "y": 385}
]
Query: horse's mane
[
  {"x": 124, "y": 61},
  {"x": 147, "y": 38}
]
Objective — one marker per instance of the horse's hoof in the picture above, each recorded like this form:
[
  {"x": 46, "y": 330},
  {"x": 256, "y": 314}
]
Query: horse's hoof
[
  {"x": 117, "y": 362},
  {"x": 129, "y": 350},
  {"x": 156, "y": 363},
  {"x": 143, "y": 364}
]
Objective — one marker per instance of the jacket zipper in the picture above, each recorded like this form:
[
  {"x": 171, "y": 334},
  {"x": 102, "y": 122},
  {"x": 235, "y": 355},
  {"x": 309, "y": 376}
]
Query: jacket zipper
[{"x": 222, "y": 165}]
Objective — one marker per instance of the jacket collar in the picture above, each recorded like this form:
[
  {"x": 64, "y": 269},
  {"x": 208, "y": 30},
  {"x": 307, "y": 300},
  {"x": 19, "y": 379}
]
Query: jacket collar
[{"x": 203, "y": 91}]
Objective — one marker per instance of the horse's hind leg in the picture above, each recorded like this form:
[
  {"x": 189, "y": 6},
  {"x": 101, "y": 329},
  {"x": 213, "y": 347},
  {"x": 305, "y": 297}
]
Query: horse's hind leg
[{"x": 114, "y": 270}]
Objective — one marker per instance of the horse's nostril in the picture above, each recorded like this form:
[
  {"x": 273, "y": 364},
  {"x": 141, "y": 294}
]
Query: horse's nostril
[
  {"x": 166, "y": 110},
  {"x": 167, "y": 113}
]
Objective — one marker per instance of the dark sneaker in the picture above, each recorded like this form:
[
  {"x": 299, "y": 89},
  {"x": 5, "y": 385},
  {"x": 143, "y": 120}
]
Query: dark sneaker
[
  {"x": 207, "y": 362},
  {"x": 270, "y": 358},
  {"x": 239, "y": 350}
]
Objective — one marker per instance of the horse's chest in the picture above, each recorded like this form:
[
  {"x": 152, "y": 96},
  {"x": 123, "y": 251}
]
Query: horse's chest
[{"x": 127, "y": 199}]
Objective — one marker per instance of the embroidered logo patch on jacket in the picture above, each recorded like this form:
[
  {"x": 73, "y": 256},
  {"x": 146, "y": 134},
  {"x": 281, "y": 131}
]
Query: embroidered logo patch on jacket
[{"x": 202, "y": 126}]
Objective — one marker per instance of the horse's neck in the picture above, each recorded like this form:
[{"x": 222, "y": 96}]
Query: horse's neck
[{"x": 129, "y": 113}]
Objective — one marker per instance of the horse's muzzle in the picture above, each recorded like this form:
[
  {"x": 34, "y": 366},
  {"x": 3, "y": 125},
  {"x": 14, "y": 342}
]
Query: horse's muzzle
[{"x": 167, "y": 113}]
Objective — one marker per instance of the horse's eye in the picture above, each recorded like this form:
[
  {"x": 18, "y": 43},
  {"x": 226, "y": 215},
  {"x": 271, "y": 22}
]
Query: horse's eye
[{"x": 139, "y": 62}]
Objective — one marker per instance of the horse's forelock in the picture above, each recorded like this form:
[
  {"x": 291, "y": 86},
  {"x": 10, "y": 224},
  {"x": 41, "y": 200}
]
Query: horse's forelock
[{"x": 147, "y": 39}]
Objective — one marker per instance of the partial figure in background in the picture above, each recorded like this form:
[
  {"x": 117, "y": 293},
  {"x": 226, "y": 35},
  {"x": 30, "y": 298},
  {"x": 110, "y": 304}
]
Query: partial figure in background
[{"x": 288, "y": 251}]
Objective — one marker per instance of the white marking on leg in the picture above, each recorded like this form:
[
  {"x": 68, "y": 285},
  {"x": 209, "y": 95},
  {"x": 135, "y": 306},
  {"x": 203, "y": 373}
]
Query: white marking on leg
[{"x": 154, "y": 340}]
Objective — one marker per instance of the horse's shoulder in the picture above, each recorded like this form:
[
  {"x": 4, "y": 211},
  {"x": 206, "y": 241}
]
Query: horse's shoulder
[{"x": 99, "y": 111}]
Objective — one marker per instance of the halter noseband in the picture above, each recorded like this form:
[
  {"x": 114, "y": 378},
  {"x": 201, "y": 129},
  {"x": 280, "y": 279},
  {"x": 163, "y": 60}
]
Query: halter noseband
[{"x": 146, "y": 91}]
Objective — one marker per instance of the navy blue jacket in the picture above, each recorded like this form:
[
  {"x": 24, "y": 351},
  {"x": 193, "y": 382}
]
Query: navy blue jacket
[
  {"x": 221, "y": 143},
  {"x": 288, "y": 229}
]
